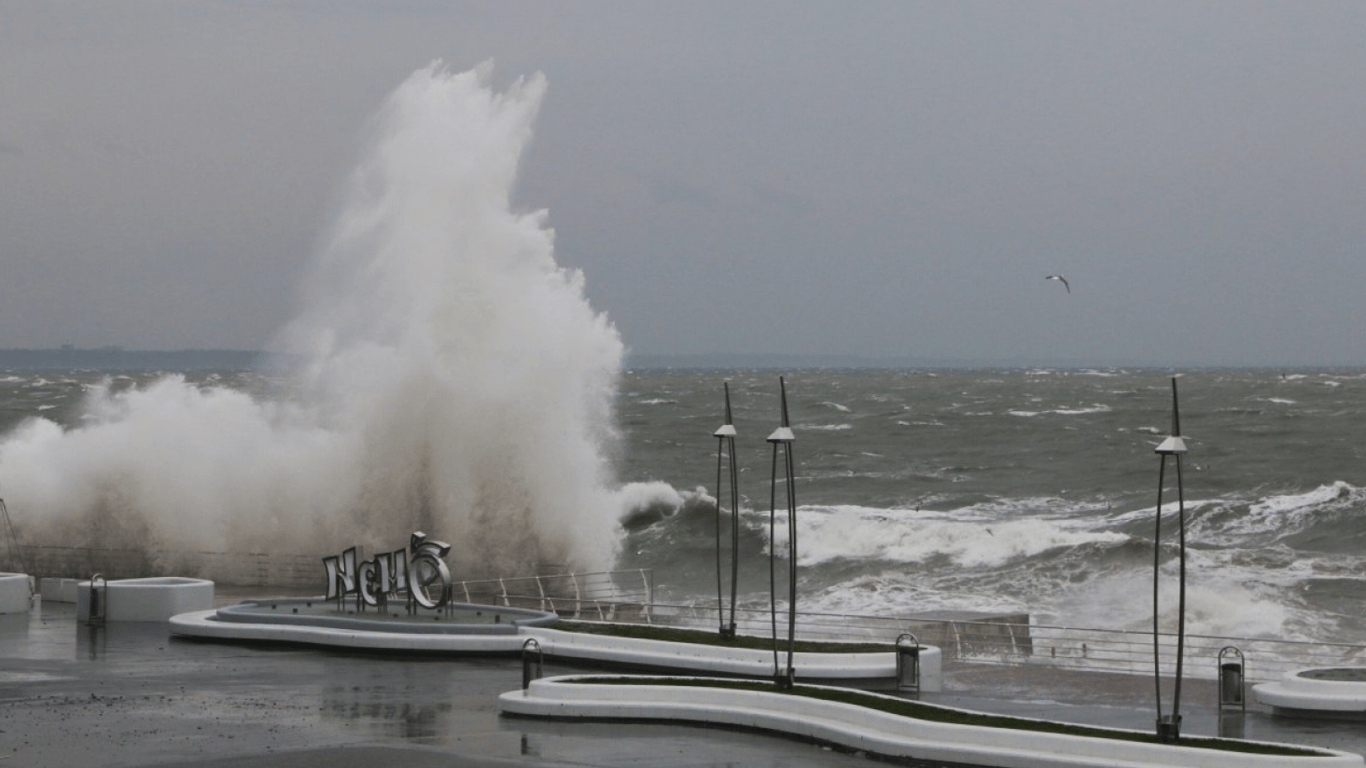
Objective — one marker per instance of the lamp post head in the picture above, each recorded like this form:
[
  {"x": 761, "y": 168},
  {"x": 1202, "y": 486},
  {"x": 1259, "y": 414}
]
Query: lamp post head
[{"x": 1172, "y": 446}]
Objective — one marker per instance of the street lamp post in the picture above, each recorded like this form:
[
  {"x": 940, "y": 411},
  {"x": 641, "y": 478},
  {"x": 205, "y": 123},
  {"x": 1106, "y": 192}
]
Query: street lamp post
[
  {"x": 1169, "y": 726},
  {"x": 783, "y": 437},
  {"x": 725, "y": 446}
]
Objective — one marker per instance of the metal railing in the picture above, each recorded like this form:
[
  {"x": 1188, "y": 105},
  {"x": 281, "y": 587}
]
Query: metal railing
[
  {"x": 602, "y": 596},
  {"x": 1014, "y": 640}
]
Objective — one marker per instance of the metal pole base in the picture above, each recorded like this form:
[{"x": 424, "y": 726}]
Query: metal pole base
[
  {"x": 785, "y": 680},
  {"x": 1169, "y": 728}
]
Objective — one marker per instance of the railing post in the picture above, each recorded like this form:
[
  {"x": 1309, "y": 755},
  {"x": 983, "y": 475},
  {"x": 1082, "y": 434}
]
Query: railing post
[{"x": 540, "y": 587}]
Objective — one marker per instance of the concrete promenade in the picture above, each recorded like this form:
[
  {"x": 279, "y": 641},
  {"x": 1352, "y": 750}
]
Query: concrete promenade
[{"x": 131, "y": 695}]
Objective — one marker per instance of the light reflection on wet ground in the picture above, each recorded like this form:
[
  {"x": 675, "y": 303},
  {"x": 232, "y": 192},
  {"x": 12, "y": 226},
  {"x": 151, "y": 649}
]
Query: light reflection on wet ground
[{"x": 132, "y": 695}]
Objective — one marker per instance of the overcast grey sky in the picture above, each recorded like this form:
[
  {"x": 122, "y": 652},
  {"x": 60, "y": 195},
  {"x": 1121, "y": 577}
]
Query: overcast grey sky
[{"x": 876, "y": 179}]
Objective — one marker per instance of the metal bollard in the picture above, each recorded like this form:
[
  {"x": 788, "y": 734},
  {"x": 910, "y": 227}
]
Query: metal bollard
[
  {"x": 533, "y": 662},
  {"x": 1169, "y": 728},
  {"x": 1231, "y": 675},
  {"x": 908, "y": 663}
]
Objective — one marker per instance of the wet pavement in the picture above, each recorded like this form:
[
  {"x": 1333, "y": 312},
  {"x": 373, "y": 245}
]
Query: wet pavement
[{"x": 130, "y": 694}]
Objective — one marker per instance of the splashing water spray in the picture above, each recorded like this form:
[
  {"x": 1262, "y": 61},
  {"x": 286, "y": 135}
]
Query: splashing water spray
[{"x": 455, "y": 381}]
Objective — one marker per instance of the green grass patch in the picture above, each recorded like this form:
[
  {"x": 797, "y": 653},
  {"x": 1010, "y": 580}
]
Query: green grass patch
[
  {"x": 704, "y": 637},
  {"x": 930, "y": 713}
]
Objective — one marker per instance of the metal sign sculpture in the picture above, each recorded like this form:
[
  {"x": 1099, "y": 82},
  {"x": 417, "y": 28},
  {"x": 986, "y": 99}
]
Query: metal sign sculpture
[{"x": 419, "y": 572}]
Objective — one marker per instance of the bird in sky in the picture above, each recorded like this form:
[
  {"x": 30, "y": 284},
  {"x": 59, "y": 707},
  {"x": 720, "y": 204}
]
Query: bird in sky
[{"x": 1062, "y": 280}]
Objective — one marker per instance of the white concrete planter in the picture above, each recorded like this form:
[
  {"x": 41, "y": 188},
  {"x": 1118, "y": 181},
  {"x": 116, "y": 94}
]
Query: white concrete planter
[
  {"x": 16, "y": 592},
  {"x": 860, "y": 728},
  {"x": 861, "y": 669},
  {"x": 1327, "y": 690},
  {"x": 151, "y": 599},
  {"x": 206, "y": 624}
]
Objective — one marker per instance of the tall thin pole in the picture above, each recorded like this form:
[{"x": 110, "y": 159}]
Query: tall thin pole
[
  {"x": 1181, "y": 539},
  {"x": 772, "y": 560},
  {"x": 725, "y": 445},
  {"x": 791, "y": 552},
  {"x": 783, "y": 437},
  {"x": 1157, "y": 552},
  {"x": 1169, "y": 728}
]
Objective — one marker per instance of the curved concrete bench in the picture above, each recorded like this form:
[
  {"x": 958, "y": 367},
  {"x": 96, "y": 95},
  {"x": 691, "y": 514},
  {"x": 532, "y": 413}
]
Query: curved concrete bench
[
  {"x": 875, "y": 732},
  {"x": 1339, "y": 691},
  {"x": 151, "y": 599},
  {"x": 16, "y": 592},
  {"x": 860, "y": 669},
  {"x": 208, "y": 624},
  {"x": 856, "y": 669}
]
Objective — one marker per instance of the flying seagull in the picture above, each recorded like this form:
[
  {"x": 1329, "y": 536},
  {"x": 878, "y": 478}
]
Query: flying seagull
[{"x": 1060, "y": 279}]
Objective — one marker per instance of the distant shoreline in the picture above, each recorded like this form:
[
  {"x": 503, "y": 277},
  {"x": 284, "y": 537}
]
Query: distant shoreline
[{"x": 117, "y": 358}]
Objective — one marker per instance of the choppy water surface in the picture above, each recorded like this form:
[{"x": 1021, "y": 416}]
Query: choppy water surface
[
  {"x": 1028, "y": 490},
  {"x": 1007, "y": 490}
]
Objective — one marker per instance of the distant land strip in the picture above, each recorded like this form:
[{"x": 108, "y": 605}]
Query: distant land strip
[{"x": 117, "y": 358}]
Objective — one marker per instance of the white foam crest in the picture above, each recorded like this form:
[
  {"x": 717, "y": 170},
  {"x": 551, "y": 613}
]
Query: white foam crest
[
  {"x": 901, "y": 594},
  {"x": 1216, "y": 604},
  {"x": 1082, "y": 411},
  {"x": 1098, "y": 408},
  {"x": 458, "y": 382},
  {"x": 635, "y": 496},
  {"x": 825, "y": 535},
  {"x": 1170, "y": 509},
  {"x": 1289, "y": 513}
]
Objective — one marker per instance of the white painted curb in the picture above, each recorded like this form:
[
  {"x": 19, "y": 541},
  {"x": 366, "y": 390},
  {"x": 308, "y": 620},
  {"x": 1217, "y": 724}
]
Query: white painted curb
[
  {"x": 859, "y": 728},
  {"x": 203, "y": 624},
  {"x": 690, "y": 658},
  {"x": 1294, "y": 691},
  {"x": 752, "y": 662}
]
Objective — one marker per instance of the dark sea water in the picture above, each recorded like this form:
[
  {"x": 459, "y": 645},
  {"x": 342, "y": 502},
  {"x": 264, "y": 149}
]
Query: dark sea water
[
  {"x": 985, "y": 490},
  {"x": 1020, "y": 490}
]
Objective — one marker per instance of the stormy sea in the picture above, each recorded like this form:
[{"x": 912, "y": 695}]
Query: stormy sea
[
  {"x": 447, "y": 375},
  {"x": 1002, "y": 491}
]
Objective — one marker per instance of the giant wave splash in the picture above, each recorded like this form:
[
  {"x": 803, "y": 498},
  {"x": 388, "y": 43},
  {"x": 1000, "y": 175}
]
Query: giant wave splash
[{"x": 454, "y": 380}]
